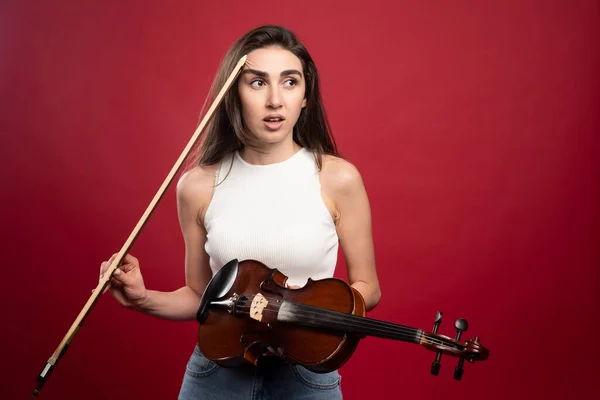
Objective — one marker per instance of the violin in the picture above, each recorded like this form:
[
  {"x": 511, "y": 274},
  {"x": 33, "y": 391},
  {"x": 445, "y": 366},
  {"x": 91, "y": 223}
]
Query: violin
[{"x": 246, "y": 311}]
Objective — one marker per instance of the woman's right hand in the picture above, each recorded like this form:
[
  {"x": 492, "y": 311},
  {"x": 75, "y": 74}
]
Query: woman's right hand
[{"x": 127, "y": 283}]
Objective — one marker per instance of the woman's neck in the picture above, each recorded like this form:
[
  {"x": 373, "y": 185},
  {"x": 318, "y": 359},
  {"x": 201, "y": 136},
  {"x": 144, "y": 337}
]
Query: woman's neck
[{"x": 270, "y": 153}]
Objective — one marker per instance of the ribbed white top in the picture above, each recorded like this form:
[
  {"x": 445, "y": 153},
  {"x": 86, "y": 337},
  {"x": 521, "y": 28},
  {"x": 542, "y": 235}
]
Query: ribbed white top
[{"x": 274, "y": 214}]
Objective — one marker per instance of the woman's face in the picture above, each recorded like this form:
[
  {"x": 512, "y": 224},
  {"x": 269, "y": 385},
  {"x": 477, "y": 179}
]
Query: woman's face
[{"x": 271, "y": 90}]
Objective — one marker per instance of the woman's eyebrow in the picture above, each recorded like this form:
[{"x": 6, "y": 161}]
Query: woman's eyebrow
[
  {"x": 291, "y": 72},
  {"x": 263, "y": 74}
]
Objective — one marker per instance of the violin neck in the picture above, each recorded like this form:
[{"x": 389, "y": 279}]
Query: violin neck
[{"x": 336, "y": 321}]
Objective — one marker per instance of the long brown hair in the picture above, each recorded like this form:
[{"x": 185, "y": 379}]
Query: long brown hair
[{"x": 226, "y": 133}]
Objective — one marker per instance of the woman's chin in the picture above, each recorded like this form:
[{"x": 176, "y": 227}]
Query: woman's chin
[{"x": 274, "y": 137}]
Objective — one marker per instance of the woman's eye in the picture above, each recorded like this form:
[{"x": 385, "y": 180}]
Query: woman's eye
[
  {"x": 290, "y": 82},
  {"x": 257, "y": 83}
]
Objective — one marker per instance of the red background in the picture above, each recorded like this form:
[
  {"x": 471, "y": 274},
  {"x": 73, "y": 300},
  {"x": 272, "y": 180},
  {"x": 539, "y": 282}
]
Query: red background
[{"x": 474, "y": 124}]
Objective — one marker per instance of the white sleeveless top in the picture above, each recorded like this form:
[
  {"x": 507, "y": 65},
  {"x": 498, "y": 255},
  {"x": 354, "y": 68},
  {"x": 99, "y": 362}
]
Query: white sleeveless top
[{"x": 273, "y": 214}]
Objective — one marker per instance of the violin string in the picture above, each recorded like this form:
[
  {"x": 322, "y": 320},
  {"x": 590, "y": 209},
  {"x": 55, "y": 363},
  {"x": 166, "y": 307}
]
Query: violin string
[
  {"x": 367, "y": 322},
  {"x": 374, "y": 325},
  {"x": 424, "y": 335},
  {"x": 428, "y": 340}
]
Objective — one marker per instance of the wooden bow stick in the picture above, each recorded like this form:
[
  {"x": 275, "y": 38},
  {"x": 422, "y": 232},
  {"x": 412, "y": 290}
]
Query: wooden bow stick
[{"x": 103, "y": 283}]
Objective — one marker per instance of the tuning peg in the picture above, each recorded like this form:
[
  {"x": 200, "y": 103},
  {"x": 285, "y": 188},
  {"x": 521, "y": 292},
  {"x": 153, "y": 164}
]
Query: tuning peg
[
  {"x": 458, "y": 371},
  {"x": 437, "y": 322},
  {"x": 461, "y": 326},
  {"x": 435, "y": 365}
]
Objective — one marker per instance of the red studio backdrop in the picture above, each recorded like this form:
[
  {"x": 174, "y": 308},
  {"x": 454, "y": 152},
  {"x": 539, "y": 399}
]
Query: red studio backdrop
[{"x": 474, "y": 125}]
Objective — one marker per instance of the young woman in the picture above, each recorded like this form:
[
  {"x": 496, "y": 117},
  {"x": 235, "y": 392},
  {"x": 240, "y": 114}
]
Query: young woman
[{"x": 268, "y": 185}]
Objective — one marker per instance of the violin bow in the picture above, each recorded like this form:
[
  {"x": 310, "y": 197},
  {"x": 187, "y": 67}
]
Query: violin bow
[{"x": 103, "y": 283}]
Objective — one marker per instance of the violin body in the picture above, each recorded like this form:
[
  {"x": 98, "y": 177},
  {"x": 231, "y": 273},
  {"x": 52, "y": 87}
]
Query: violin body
[{"x": 231, "y": 338}]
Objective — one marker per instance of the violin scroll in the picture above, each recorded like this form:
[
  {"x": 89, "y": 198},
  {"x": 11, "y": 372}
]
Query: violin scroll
[{"x": 470, "y": 350}]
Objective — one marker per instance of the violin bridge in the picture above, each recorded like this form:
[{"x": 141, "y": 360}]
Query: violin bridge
[{"x": 259, "y": 303}]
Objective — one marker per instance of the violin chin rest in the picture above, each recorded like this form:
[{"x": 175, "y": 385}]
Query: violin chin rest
[{"x": 217, "y": 288}]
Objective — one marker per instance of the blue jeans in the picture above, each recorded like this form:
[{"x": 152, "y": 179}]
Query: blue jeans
[{"x": 273, "y": 379}]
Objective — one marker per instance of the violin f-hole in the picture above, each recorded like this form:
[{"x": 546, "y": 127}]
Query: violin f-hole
[{"x": 271, "y": 286}]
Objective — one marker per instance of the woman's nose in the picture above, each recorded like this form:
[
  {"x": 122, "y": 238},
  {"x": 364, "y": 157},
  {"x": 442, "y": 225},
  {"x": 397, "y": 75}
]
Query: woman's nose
[{"x": 274, "y": 100}]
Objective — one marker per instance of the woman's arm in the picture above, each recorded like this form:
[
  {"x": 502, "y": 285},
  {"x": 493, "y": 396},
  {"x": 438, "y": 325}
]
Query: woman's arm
[
  {"x": 343, "y": 189},
  {"x": 194, "y": 191}
]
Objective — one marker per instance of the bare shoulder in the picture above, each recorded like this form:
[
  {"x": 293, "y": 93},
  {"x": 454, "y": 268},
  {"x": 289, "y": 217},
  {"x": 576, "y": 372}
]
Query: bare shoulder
[
  {"x": 339, "y": 176},
  {"x": 197, "y": 178},
  {"x": 195, "y": 188}
]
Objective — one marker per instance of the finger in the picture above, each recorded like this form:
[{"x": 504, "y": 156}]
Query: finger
[
  {"x": 116, "y": 275},
  {"x": 105, "y": 265},
  {"x": 116, "y": 288},
  {"x": 107, "y": 287},
  {"x": 292, "y": 286},
  {"x": 129, "y": 263},
  {"x": 94, "y": 290},
  {"x": 130, "y": 259},
  {"x": 275, "y": 350},
  {"x": 112, "y": 283},
  {"x": 115, "y": 283},
  {"x": 112, "y": 258},
  {"x": 102, "y": 268},
  {"x": 117, "y": 292},
  {"x": 121, "y": 277}
]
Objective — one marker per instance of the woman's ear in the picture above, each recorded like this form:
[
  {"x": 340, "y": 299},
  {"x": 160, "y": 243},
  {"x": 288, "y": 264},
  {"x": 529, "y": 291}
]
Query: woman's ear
[{"x": 304, "y": 103}]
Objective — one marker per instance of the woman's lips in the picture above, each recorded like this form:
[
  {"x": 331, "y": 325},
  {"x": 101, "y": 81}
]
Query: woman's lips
[{"x": 273, "y": 123}]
